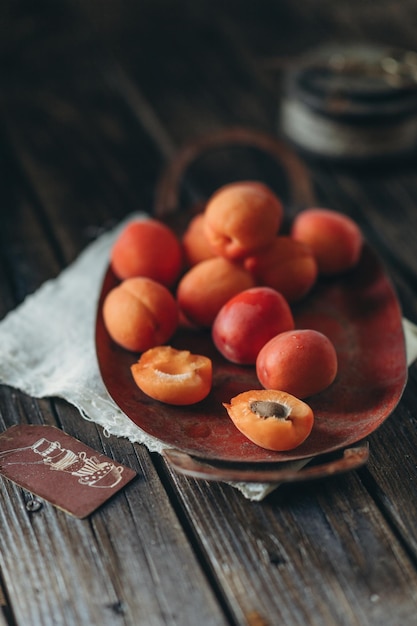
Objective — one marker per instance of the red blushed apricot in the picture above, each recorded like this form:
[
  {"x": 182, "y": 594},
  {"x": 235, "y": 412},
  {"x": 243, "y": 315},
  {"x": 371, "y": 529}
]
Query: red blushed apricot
[
  {"x": 140, "y": 313},
  {"x": 287, "y": 266},
  {"x": 334, "y": 239},
  {"x": 271, "y": 419},
  {"x": 300, "y": 362},
  {"x": 173, "y": 376},
  {"x": 242, "y": 217},
  {"x": 147, "y": 248},
  {"x": 247, "y": 321},
  {"x": 207, "y": 286},
  {"x": 194, "y": 242}
]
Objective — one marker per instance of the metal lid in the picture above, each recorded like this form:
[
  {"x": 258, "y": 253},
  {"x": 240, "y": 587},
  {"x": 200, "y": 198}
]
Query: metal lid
[{"x": 352, "y": 101}]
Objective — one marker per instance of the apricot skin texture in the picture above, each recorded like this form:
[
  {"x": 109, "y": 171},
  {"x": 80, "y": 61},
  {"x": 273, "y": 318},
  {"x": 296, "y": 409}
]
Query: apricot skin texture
[
  {"x": 195, "y": 246},
  {"x": 279, "y": 433},
  {"x": 173, "y": 376},
  {"x": 207, "y": 286},
  {"x": 334, "y": 239},
  {"x": 147, "y": 248},
  {"x": 247, "y": 321},
  {"x": 300, "y": 362},
  {"x": 140, "y": 313},
  {"x": 286, "y": 265},
  {"x": 242, "y": 217}
]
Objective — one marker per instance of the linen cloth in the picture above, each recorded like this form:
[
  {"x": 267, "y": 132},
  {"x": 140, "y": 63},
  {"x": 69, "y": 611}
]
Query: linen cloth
[{"x": 48, "y": 349}]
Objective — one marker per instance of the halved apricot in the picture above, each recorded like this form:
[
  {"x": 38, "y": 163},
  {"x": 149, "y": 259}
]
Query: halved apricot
[
  {"x": 274, "y": 420},
  {"x": 173, "y": 376}
]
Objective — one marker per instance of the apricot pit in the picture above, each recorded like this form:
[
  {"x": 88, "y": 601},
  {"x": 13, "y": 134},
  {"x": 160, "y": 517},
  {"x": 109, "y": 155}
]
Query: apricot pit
[{"x": 272, "y": 419}]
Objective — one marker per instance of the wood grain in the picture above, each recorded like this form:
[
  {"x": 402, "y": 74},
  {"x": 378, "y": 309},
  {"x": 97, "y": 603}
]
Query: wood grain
[{"x": 95, "y": 100}]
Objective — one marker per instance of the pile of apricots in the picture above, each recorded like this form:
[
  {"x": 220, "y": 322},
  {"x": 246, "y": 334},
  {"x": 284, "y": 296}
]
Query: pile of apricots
[{"x": 234, "y": 272}]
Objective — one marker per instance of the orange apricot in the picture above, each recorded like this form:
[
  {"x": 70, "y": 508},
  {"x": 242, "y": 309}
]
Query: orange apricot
[
  {"x": 242, "y": 217},
  {"x": 194, "y": 242},
  {"x": 147, "y": 248},
  {"x": 300, "y": 362},
  {"x": 272, "y": 419},
  {"x": 207, "y": 286},
  {"x": 334, "y": 238},
  {"x": 140, "y": 313},
  {"x": 286, "y": 265},
  {"x": 173, "y": 376}
]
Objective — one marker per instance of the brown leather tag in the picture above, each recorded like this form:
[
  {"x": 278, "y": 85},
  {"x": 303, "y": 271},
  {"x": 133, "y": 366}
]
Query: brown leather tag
[{"x": 60, "y": 469}]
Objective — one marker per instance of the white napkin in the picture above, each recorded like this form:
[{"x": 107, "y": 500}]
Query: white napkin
[{"x": 47, "y": 348}]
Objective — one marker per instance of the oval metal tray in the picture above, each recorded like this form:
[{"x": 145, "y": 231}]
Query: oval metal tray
[{"x": 360, "y": 313}]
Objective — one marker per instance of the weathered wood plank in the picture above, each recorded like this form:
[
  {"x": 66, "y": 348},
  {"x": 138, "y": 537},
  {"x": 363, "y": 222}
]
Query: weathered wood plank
[
  {"x": 118, "y": 566},
  {"x": 319, "y": 553},
  {"x": 121, "y": 565}
]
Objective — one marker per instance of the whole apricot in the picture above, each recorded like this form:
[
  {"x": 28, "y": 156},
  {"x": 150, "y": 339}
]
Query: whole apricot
[
  {"x": 194, "y": 242},
  {"x": 300, "y": 362},
  {"x": 286, "y": 265},
  {"x": 140, "y": 313},
  {"x": 147, "y": 248},
  {"x": 242, "y": 217},
  {"x": 334, "y": 238},
  {"x": 173, "y": 376},
  {"x": 247, "y": 321},
  {"x": 207, "y": 286},
  {"x": 272, "y": 419}
]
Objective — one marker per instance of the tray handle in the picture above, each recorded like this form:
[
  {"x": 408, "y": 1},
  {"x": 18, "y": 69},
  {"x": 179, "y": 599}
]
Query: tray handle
[
  {"x": 291, "y": 471},
  {"x": 168, "y": 187}
]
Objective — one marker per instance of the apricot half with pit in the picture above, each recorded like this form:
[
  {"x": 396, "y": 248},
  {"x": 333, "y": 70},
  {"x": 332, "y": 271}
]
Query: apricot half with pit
[
  {"x": 173, "y": 376},
  {"x": 274, "y": 420}
]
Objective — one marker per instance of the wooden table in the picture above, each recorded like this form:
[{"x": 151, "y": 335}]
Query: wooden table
[{"x": 96, "y": 98}]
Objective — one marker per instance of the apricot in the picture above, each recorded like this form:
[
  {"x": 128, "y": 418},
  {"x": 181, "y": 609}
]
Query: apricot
[
  {"x": 140, "y": 313},
  {"x": 147, "y": 248},
  {"x": 334, "y": 238},
  {"x": 207, "y": 286},
  {"x": 271, "y": 419},
  {"x": 286, "y": 265},
  {"x": 194, "y": 242},
  {"x": 242, "y": 217},
  {"x": 247, "y": 321},
  {"x": 300, "y": 362},
  {"x": 173, "y": 376}
]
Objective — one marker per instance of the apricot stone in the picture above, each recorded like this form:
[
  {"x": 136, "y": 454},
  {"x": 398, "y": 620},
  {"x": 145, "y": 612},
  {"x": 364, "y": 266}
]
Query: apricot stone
[
  {"x": 334, "y": 238},
  {"x": 274, "y": 420},
  {"x": 300, "y": 362},
  {"x": 242, "y": 217},
  {"x": 140, "y": 313}
]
